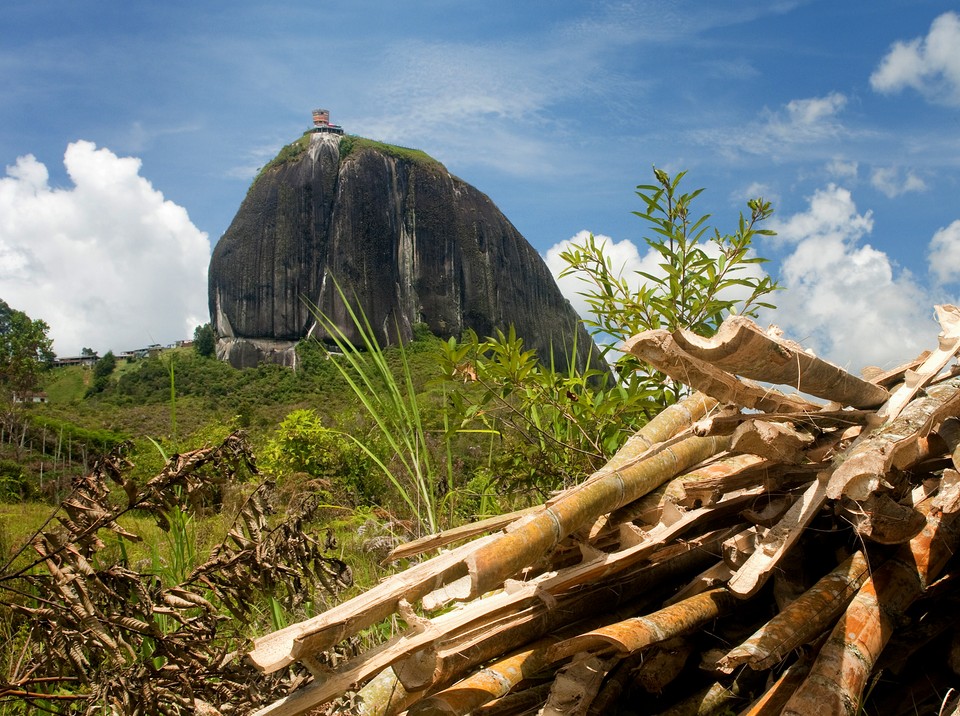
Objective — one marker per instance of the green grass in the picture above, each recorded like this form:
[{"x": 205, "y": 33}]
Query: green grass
[
  {"x": 19, "y": 522},
  {"x": 352, "y": 144},
  {"x": 67, "y": 385},
  {"x": 290, "y": 152}
]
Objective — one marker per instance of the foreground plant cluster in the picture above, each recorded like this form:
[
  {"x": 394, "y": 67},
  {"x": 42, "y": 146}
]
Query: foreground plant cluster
[
  {"x": 747, "y": 551},
  {"x": 87, "y": 629}
]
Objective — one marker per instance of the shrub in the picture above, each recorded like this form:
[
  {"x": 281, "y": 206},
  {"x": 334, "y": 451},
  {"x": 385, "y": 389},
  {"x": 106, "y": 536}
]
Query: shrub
[
  {"x": 557, "y": 426},
  {"x": 301, "y": 444}
]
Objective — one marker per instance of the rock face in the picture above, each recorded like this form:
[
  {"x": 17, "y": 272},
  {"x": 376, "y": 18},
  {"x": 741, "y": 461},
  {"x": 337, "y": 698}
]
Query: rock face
[{"x": 393, "y": 228}]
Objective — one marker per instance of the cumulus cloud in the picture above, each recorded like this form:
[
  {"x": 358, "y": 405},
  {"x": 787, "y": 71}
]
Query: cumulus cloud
[
  {"x": 108, "y": 263},
  {"x": 944, "y": 255},
  {"x": 625, "y": 261},
  {"x": 844, "y": 298},
  {"x": 930, "y": 65},
  {"x": 892, "y": 182}
]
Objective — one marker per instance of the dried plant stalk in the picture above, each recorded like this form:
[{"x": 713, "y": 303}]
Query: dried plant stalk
[
  {"x": 278, "y": 649},
  {"x": 576, "y": 686},
  {"x": 772, "y": 701},
  {"x": 629, "y": 636},
  {"x": 840, "y": 673},
  {"x": 659, "y": 349},
  {"x": 624, "y": 479},
  {"x": 802, "y": 620},
  {"x": 741, "y": 347},
  {"x": 900, "y": 443},
  {"x": 493, "y": 681},
  {"x": 777, "y": 541}
]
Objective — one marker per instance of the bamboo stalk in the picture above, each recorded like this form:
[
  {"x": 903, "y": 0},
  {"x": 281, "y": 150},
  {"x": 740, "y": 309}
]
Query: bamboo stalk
[
  {"x": 772, "y": 701},
  {"x": 840, "y": 673},
  {"x": 915, "y": 380},
  {"x": 716, "y": 699},
  {"x": 494, "y": 681},
  {"x": 659, "y": 349},
  {"x": 896, "y": 445},
  {"x": 384, "y": 695},
  {"x": 631, "y": 635},
  {"x": 803, "y": 619},
  {"x": 280, "y": 648},
  {"x": 517, "y": 703},
  {"x": 821, "y": 420},
  {"x": 614, "y": 686},
  {"x": 777, "y": 541},
  {"x": 716, "y": 476},
  {"x": 576, "y": 686},
  {"x": 739, "y": 346},
  {"x": 477, "y": 615},
  {"x": 621, "y": 481},
  {"x": 775, "y": 441},
  {"x": 566, "y": 599},
  {"x": 471, "y": 529}
]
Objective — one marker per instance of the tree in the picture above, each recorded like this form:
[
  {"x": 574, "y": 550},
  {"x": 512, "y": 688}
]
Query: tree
[
  {"x": 702, "y": 278},
  {"x": 102, "y": 370},
  {"x": 204, "y": 341},
  {"x": 25, "y": 351},
  {"x": 567, "y": 424},
  {"x": 88, "y": 352}
]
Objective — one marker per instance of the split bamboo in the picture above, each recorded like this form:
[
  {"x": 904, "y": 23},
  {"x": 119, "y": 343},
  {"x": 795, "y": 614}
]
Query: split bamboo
[
  {"x": 839, "y": 675},
  {"x": 777, "y": 541},
  {"x": 283, "y": 647},
  {"x": 896, "y": 445},
  {"x": 621, "y": 481},
  {"x": 740, "y": 347},
  {"x": 630, "y": 636},
  {"x": 915, "y": 380},
  {"x": 659, "y": 349},
  {"x": 493, "y": 681},
  {"x": 803, "y": 620}
]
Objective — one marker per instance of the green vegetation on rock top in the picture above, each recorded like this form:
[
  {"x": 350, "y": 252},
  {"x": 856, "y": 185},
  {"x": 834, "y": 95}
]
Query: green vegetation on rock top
[
  {"x": 351, "y": 144},
  {"x": 289, "y": 153}
]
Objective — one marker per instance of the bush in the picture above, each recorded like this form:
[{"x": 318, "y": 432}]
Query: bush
[
  {"x": 301, "y": 444},
  {"x": 102, "y": 370},
  {"x": 13, "y": 482}
]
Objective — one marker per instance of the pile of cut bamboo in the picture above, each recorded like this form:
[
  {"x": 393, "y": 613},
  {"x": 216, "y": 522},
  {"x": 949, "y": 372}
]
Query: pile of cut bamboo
[{"x": 748, "y": 551}]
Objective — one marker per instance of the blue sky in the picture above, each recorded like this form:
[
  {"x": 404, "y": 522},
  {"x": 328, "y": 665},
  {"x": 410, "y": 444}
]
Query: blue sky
[{"x": 131, "y": 131}]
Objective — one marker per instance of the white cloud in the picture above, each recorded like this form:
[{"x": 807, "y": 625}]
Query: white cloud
[
  {"x": 844, "y": 299},
  {"x": 756, "y": 190},
  {"x": 625, "y": 261},
  {"x": 815, "y": 111},
  {"x": 108, "y": 264},
  {"x": 892, "y": 184},
  {"x": 840, "y": 169},
  {"x": 930, "y": 65},
  {"x": 798, "y": 123},
  {"x": 802, "y": 121},
  {"x": 944, "y": 255}
]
